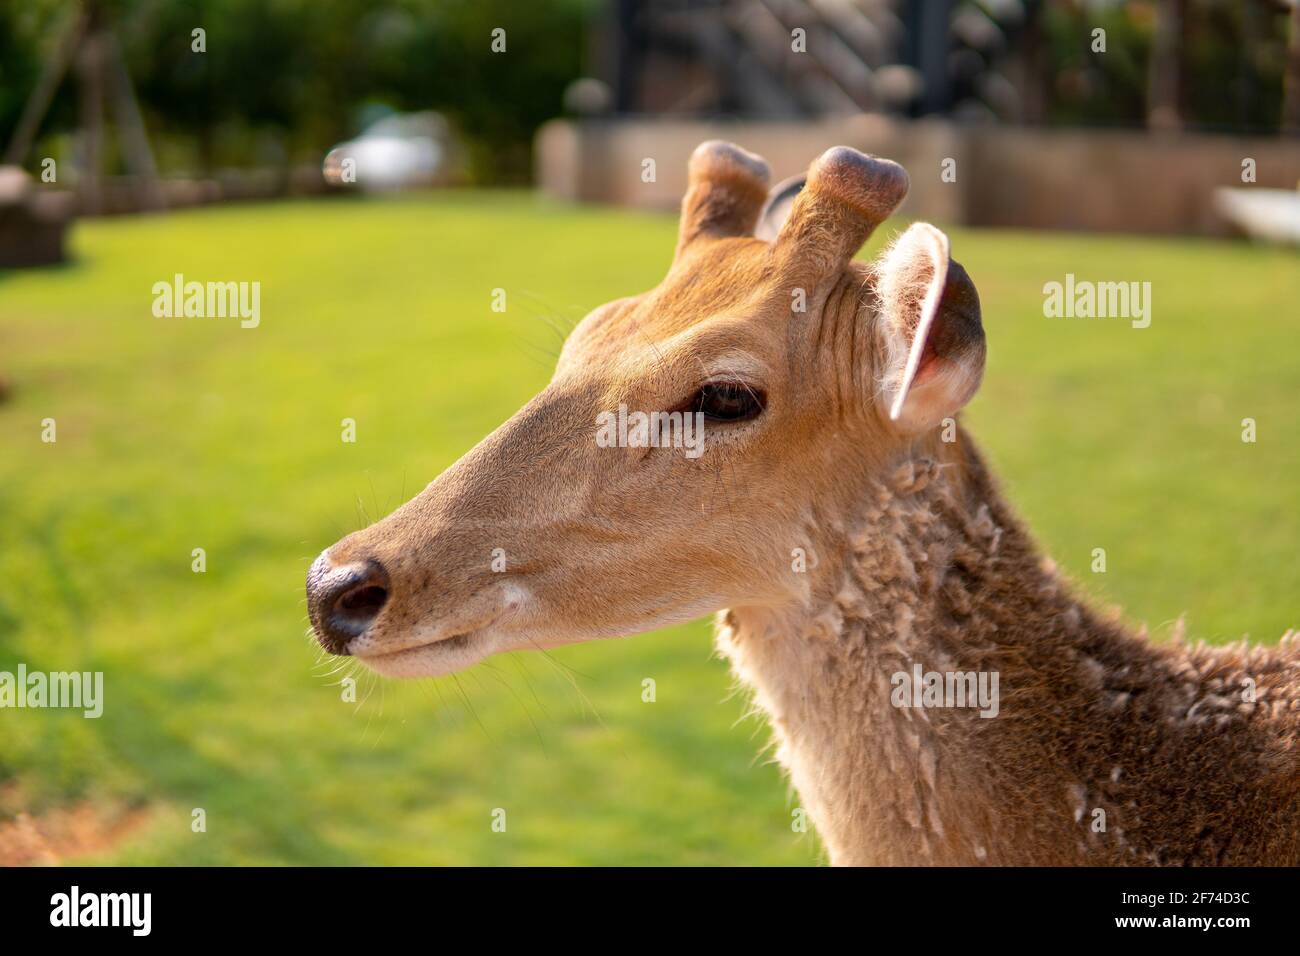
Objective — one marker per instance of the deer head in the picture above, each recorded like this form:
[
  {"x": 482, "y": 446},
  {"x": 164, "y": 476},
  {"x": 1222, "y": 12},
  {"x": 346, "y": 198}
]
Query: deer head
[{"x": 810, "y": 373}]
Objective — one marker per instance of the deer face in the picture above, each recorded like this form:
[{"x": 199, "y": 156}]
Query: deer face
[{"x": 579, "y": 519}]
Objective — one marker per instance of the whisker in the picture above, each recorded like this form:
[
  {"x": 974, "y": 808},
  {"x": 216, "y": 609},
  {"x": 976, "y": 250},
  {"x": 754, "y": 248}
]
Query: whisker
[
  {"x": 470, "y": 705},
  {"x": 527, "y": 713}
]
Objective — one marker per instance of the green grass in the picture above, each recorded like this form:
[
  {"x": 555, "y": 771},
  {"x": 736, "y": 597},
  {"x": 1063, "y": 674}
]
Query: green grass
[{"x": 175, "y": 434}]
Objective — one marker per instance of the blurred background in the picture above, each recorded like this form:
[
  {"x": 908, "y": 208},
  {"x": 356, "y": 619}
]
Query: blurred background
[
  {"x": 380, "y": 168},
  {"x": 156, "y": 103}
]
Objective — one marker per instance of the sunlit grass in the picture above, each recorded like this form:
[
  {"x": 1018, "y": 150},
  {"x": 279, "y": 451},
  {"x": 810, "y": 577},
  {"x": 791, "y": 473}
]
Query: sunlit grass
[{"x": 175, "y": 434}]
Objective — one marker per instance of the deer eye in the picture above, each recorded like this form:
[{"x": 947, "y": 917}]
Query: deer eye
[{"x": 728, "y": 402}]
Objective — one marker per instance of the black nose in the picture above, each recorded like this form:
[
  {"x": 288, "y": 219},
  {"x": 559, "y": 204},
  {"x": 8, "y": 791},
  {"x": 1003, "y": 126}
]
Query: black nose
[{"x": 342, "y": 602}]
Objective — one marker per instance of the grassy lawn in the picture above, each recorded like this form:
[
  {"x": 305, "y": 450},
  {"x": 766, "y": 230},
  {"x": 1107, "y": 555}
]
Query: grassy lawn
[{"x": 175, "y": 434}]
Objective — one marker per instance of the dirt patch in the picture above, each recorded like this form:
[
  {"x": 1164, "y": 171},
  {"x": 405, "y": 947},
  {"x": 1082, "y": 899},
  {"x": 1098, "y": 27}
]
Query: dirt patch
[{"x": 62, "y": 833}]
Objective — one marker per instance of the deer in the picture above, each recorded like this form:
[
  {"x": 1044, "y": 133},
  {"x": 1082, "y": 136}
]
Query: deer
[{"x": 849, "y": 536}]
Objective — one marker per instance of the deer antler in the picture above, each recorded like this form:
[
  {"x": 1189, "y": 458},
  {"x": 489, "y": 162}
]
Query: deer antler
[
  {"x": 728, "y": 187},
  {"x": 847, "y": 196}
]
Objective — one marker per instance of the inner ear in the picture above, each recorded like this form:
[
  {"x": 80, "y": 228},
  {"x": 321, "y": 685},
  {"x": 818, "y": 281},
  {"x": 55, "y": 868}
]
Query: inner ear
[
  {"x": 914, "y": 275},
  {"x": 929, "y": 322},
  {"x": 777, "y": 208}
]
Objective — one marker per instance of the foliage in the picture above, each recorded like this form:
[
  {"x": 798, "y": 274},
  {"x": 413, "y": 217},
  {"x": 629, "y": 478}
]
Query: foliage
[{"x": 289, "y": 78}]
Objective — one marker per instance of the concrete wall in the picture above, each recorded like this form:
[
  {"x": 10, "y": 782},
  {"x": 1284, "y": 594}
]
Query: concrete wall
[{"x": 1107, "y": 181}]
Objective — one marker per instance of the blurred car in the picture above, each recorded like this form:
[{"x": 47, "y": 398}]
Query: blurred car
[
  {"x": 1272, "y": 215},
  {"x": 401, "y": 151}
]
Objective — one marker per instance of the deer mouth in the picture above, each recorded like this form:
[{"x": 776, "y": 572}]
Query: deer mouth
[
  {"x": 441, "y": 650},
  {"x": 430, "y": 659},
  {"x": 446, "y": 643}
]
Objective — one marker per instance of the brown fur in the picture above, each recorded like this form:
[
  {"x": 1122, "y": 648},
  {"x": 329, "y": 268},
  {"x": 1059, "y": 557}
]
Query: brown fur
[
  {"x": 912, "y": 557},
  {"x": 933, "y": 568}
]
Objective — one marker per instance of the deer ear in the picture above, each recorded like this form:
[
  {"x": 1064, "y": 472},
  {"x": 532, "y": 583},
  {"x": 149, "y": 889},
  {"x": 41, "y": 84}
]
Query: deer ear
[
  {"x": 777, "y": 208},
  {"x": 929, "y": 323}
]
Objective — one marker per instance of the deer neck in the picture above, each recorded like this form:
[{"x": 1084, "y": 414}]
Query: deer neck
[{"x": 929, "y": 573}]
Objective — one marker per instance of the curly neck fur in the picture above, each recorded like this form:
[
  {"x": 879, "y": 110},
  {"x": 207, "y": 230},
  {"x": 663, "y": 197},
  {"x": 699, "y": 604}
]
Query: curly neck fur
[{"x": 1106, "y": 749}]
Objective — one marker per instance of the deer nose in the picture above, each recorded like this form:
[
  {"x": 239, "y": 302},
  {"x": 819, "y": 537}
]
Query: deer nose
[{"x": 343, "y": 602}]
